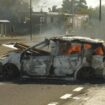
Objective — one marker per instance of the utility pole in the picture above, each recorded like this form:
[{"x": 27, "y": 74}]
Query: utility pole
[
  {"x": 30, "y": 19},
  {"x": 72, "y": 13},
  {"x": 100, "y": 10}
]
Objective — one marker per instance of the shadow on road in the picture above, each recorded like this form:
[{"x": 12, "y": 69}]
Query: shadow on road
[{"x": 53, "y": 81}]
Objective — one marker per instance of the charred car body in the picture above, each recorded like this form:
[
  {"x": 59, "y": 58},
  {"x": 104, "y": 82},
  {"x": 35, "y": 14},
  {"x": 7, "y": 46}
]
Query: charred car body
[{"x": 62, "y": 57}]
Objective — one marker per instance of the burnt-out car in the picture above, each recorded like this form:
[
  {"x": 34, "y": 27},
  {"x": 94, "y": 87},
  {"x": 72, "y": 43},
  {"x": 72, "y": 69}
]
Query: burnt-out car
[{"x": 58, "y": 57}]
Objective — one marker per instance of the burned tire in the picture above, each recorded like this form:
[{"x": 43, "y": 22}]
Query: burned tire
[
  {"x": 86, "y": 73},
  {"x": 1, "y": 67},
  {"x": 10, "y": 71}
]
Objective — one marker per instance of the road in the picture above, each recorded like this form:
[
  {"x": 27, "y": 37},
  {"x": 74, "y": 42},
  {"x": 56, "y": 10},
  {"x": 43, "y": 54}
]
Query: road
[{"x": 40, "y": 92}]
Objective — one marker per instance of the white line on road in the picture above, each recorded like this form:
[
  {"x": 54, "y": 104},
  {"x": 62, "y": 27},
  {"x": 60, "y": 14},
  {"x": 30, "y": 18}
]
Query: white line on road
[
  {"x": 66, "y": 96},
  {"x": 53, "y": 103},
  {"x": 2, "y": 83},
  {"x": 86, "y": 98},
  {"x": 76, "y": 98},
  {"x": 78, "y": 89}
]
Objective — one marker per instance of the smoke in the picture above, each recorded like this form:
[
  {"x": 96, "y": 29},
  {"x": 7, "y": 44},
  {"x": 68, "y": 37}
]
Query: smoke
[
  {"x": 45, "y": 4},
  {"x": 35, "y": 3},
  {"x": 94, "y": 27},
  {"x": 53, "y": 30},
  {"x": 95, "y": 30}
]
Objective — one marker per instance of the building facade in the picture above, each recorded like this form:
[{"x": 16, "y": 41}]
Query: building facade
[{"x": 4, "y": 27}]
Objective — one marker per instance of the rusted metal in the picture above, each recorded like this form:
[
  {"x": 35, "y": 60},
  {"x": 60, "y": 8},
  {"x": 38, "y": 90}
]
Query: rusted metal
[{"x": 37, "y": 62}]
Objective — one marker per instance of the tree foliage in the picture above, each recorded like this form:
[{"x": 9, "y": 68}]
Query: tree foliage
[
  {"x": 54, "y": 8},
  {"x": 82, "y": 7},
  {"x": 94, "y": 12},
  {"x": 75, "y": 6},
  {"x": 68, "y": 6},
  {"x": 12, "y": 9}
]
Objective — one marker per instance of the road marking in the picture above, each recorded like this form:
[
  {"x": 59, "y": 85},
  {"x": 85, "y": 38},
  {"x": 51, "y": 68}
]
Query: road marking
[
  {"x": 66, "y": 96},
  {"x": 53, "y": 103},
  {"x": 78, "y": 89},
  {"x": 2, "y": 83},
  {"x": 76, "y": 98},
  {"x": 86, "y": 98}
]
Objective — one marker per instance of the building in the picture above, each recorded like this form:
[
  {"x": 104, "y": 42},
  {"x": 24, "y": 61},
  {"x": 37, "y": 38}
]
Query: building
[
  {"x": 79, "y": 19},
  {"x": 49, "y": 22},
  {"x": 55, "y": 23},
  {"x": 4, "y": 27}
]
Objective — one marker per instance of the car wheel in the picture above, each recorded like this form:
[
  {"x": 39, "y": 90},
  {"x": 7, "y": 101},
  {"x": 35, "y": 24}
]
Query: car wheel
[
  {"x": 1, "y": 66},
  {"x": 86, "y": 73},
  {"x": 10, "y": 71}
]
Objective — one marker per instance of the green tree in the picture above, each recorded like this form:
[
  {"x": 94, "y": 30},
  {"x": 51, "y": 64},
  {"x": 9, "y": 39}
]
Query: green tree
[
  {"x": 13, "y": 9},
  {"x": 69, "y": 6},
  {"x": 16, "y": 11},
  {"x": 81, "y": 7},
  {"x": 75, "y": 6},
  {"x": 54, "y": 8}
]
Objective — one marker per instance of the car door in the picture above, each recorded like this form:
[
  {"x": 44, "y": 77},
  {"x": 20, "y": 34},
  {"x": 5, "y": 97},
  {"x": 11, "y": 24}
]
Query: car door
[
  {"x": 98, "y": 61},
  {"x": 36, "y": 65},
  {"x": 67, "y": 63},
  {"x": 35, "y": 62}
]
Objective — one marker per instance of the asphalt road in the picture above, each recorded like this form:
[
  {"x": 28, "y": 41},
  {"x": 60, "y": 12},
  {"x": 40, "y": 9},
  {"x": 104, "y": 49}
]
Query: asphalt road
[{"x": 40, "y": 92}]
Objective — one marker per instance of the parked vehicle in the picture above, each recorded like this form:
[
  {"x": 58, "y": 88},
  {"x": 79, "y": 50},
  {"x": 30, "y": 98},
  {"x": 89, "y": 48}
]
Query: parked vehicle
[{"x": 58, "y": 57}]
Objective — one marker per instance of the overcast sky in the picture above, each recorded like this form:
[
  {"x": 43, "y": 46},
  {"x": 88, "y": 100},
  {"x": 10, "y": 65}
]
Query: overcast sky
[
  {"x": 94, "y": 3},
  {"x": 45, "y": 4}
]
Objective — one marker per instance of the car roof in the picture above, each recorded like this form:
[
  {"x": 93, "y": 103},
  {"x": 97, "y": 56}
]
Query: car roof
[{"x": 81, "y": 39}]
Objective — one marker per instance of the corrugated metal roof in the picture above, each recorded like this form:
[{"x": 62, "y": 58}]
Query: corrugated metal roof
[{"x": 4, "y": 21}]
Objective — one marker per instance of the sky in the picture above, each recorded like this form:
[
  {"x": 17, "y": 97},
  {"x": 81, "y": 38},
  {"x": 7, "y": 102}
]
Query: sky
[
  {"x": 45, "y": 4},
  {"x": 94, "y": 3}
]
